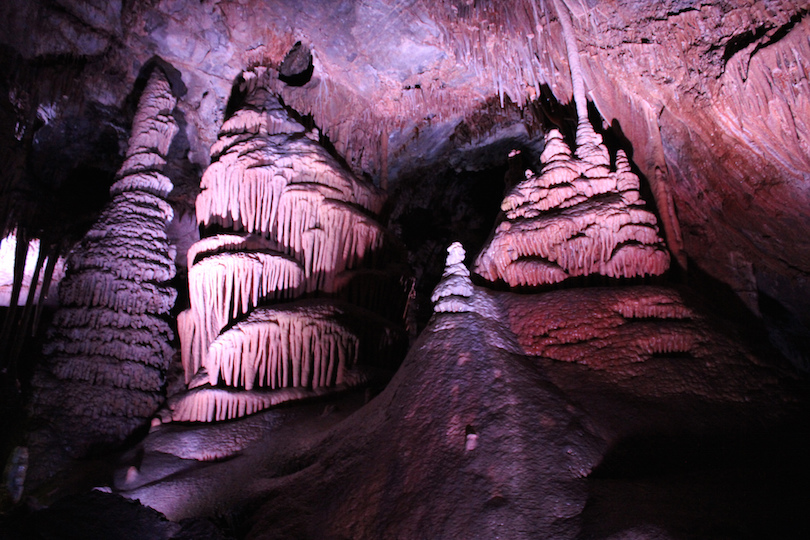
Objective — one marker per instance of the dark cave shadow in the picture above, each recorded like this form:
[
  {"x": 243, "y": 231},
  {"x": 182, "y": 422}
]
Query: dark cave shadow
[
  {"x": 733, "y": 485},
  {"x": 725, "y": 307}
]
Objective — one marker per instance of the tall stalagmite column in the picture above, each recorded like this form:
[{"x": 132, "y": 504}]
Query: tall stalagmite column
[{"x": 108, "y": 348}]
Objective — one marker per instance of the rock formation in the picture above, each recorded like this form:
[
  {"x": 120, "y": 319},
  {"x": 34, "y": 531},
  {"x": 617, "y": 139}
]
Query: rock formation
[
  {"x": 307, "y": 227},
  {"x": 635, "y": 411},
  {"x": 711, "y": 97},
  {"x": 577, "y": 217},
  {"x": 502, "y": 421},
  {"x": 108, "y": 348}
]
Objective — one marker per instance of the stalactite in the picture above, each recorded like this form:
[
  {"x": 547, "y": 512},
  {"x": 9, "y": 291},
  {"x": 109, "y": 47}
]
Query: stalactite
[
  {"x": 229, "y": 285},
  {"x": 307, "y": 226},
  {"x": 577, "y": 217},
  {"x": 288, "y": 346},
  {"x": 108, "y": 350},
  {"x": 207, "y": 404},
  {"x": 262, "y": 154}
]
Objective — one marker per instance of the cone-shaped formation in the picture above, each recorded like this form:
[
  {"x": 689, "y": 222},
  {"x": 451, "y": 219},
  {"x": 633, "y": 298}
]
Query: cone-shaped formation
[
  {"x": 307, "y": 227},
  {"x": 577, "y": 217},
  {"x": 270, "y": 178},
  {"x": 455, "y": 289},
  {"x": 108, "y": 347}
]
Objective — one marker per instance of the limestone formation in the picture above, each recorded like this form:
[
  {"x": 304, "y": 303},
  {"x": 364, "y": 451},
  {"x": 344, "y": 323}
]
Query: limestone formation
[
  {"x": 108, "y": 348},
  {"x": 579, "y": 216},
  {"x": 305, "y": 225},
  {"x": 454, "y": 291}
]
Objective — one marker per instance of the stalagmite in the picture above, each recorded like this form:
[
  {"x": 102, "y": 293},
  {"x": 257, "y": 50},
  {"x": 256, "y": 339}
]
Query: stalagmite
[
  {"x": 305, "y": 225},
  {"x": 453, "y": 292},
  {"x": 261, "y": 154},
  {"x": 108, "y": 348},
  {"x": 578, "y": 216},
  {"x": 575, "y": 218}
]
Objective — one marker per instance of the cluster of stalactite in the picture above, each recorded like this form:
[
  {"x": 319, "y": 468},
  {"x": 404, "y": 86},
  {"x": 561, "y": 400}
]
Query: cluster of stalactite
[
  {"x": 577, "y": 217},
  {"x": 108, "y": 348},
  {"x": 302, "y": 225}
]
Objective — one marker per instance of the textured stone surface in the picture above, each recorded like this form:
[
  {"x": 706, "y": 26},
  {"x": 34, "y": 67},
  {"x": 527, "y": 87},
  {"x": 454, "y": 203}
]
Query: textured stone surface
[
  {"x": 711, "y": 96},
  {"x": 524, "y": 420},
  {"x": 586, "y": 419},
  {"x": 309, "y": 227},
  {"x": 108, "y": 349}
]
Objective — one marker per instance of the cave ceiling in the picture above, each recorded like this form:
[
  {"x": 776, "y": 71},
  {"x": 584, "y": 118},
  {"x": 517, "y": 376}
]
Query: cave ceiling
[{"x": 709, "y": 99}]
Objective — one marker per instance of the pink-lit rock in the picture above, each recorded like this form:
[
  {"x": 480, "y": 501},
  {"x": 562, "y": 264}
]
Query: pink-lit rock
[
  {"x": 644, "y": 339},
  {"x": 575, "y": 218},
  {"x": 307, "y": 228},
  {"x": 108, "y": 348},
  {"x": 497, "y": 422}
]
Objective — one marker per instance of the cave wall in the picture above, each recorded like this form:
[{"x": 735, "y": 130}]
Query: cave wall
[
  {"x": 711, "y": 99},
  {"x": 519, "y": 399}
]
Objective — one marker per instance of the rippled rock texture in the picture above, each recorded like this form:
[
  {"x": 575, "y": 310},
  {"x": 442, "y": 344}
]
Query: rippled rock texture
[
  {"x": 709, "y": 98},
  {"x": 108, "y": 348}
]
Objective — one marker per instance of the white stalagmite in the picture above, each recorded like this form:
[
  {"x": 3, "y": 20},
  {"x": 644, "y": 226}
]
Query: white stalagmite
[
  {"x": 108, "y": 348},
  {"x": 305, "y": 224},
  {"x": 453, "y": 292},
  {"x": 207, "y": 404}
]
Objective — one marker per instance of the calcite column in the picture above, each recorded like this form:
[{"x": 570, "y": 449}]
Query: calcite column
[
  {"x": 108, "y": 349},
  {"x": 300, "y": 225}
]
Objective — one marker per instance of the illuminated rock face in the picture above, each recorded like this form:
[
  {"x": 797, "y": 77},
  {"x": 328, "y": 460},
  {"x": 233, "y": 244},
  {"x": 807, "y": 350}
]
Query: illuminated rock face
[
  {"x": 305, "y": 227},
  {"x": 577, "y": 217},
  {"x": 108, "y": 347}
]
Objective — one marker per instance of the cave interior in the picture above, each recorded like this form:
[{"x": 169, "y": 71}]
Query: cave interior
[{"x": 377, "y": 269}]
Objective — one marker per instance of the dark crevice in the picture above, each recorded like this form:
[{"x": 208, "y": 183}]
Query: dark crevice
[
  {"x": 782, "y": 31},
  {"x": 740, "y": 42},
  {"x": 237, "y": 98}
]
